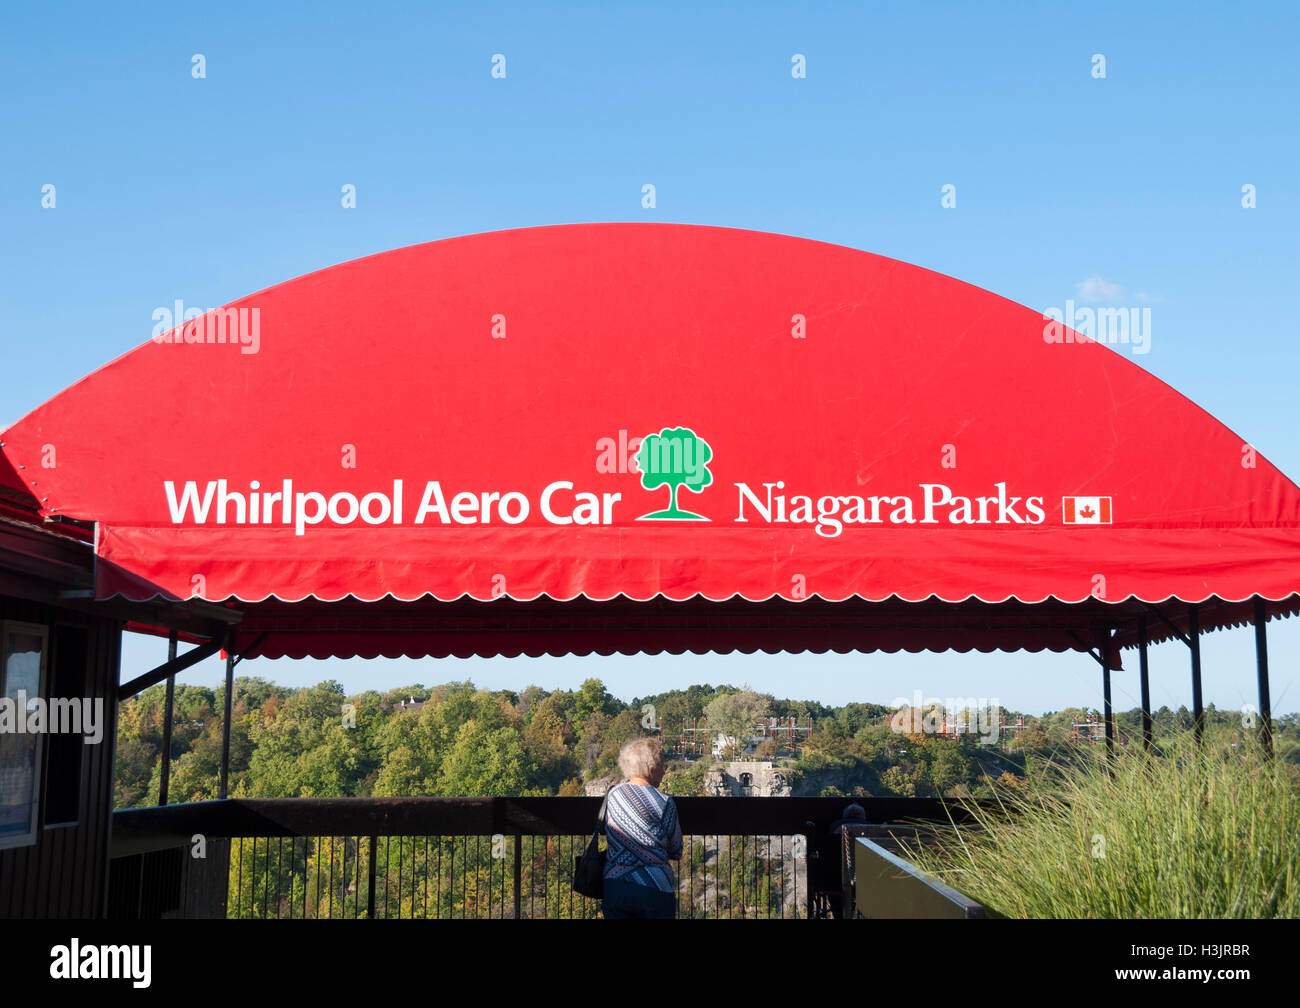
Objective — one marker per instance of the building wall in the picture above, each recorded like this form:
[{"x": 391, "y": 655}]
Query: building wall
[
  {"x": 65, "y": 872},
  {"x": 759, "y": 779}
]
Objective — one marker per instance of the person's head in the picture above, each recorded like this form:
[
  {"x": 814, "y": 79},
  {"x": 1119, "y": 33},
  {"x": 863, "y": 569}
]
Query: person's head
[
  {"x": 643, "y": 757},
  {"x": 855, "y": 811}
]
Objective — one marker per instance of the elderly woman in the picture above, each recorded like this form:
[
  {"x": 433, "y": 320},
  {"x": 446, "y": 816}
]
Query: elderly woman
[{"x": 644, "y": 835}]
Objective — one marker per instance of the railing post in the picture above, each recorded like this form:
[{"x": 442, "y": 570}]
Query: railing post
[
  {"x": 809, "y": 854},
  {"x": 371, "y": 885},
  {"x": 519, "y": 873}
]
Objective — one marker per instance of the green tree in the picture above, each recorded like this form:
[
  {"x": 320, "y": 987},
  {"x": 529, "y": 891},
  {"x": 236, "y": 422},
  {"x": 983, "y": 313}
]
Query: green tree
[
  {"x": 403, "y": 773},
  {"x": 900, "y": 781},
  {"x": 487, "y": 761},
  {"x": 307, "y": 749},
  {"x": 674, "y": 458},
  {"x": 737, "y": 715},
  {"x": 549, "y": 739},
  {"x": 528, "y": 701},
  {"x": 949, "y": 766},
  {"x": 685, "y": 779},
  {"x": 592, "y": 699},
  {"x": 624, "y": 727},
  {"x": 1031, "y": 738}
]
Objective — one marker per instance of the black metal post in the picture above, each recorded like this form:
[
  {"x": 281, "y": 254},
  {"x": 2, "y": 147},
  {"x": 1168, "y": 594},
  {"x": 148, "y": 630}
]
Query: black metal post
[
  {"x": 1106, "y": 648},
  {"x": 164, "y": 773},
  {"x": 225, "y": 728},
  {"x": 1194, "y": 641},
  {"x": 1143, "y": 671},
  {"x": 370, "y": 882},
  {"x": 1261, "y": 662},
  {"x": 154, "y": 676},
  {"x": 519, "y": 874},
  {"x": 809, "y": 855}
]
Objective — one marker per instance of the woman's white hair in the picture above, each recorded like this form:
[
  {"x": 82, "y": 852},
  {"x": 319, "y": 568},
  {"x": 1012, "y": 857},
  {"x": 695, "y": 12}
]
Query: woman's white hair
[{"x": 640, "y": 757}]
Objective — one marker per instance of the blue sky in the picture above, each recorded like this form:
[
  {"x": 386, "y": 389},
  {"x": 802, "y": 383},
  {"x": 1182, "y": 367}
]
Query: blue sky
[{"x": 168, "y": 186}]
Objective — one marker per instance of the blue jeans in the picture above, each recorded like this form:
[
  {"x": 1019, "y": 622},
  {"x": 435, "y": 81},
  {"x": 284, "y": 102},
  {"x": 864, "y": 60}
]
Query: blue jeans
[{"x": 625, "y": 900}]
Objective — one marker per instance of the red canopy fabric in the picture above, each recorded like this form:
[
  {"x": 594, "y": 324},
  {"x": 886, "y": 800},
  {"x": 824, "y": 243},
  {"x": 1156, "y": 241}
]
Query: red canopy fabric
[
  {"x": 461, "y": 420},
  {"x": 467, "y": 627}
]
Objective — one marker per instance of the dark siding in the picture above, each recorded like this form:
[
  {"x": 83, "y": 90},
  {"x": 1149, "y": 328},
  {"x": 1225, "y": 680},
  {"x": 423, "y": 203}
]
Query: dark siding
[{"x": 65, "y": 873}]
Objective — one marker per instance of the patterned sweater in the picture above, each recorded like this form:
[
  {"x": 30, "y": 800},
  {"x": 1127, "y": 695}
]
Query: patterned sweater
[{"x": 644, "y": 835}]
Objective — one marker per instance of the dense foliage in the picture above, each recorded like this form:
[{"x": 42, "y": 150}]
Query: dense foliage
[
  {"x": 1206, "y": 831},
  {"x": 317, "y": 741}
]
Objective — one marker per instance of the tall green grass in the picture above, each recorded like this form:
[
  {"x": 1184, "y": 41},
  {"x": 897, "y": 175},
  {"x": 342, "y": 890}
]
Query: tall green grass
[{"x": 1190, "y": 832}]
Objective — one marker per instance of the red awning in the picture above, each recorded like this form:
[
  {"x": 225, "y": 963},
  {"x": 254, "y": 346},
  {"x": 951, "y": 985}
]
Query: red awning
[{"x": 463, "y": 420}]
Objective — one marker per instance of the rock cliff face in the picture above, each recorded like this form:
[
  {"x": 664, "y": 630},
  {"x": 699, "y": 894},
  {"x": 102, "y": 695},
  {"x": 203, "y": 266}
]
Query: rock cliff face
[{"x": 600, "y": 786}]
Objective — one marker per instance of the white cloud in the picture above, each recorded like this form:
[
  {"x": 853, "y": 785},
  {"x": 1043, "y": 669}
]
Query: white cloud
[{"x": 1095, "y": 288}]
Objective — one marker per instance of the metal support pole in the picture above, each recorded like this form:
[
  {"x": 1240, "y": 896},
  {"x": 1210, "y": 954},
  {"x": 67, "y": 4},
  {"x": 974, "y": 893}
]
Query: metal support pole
[
  {"x": 519, "y": 873},
  {"x": 225, "y": 727},
  {"x": 1261, "y": 662},
  {"x": 1194, "y": 641},
  {"x": 809, "y": 854},
  {"x": 154, "y": 676},
  {"x": 1143, "y": 671},
  {"x": 370, "y": 880},
  {"x": 164, "y": 773},
  {"x": 1106, "y": 648}
]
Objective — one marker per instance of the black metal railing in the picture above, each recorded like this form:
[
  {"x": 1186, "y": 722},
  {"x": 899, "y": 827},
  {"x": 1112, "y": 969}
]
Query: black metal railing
[
  {"x": 462, "y": 858},
  {"x": 521, "y": 877}
]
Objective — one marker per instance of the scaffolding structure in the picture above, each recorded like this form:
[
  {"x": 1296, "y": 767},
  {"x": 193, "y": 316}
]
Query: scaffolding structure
[
  {"x": 1091, "y": 729},
  {"x": 693, "y": 740},
  {"x": 963, "y": 724},
  {"x": 1008, "y": 732},
  {"x": 787, "y": 731}
]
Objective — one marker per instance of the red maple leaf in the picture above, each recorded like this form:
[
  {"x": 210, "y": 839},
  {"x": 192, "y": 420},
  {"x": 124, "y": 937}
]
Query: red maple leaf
[{"x": 1086, "y": 512}]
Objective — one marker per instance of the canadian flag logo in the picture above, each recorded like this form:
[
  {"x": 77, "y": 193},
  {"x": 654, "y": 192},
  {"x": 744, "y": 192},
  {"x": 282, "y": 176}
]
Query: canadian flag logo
[{"x": 1086, "y": 510}]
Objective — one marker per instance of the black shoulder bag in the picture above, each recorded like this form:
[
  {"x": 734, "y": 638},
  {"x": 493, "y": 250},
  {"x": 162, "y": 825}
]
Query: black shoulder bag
[{"x": 589, "y": 870}]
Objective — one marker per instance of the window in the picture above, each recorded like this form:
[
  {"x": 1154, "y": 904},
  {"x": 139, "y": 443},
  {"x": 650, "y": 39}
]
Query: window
[{"x": 22, "y": 684}]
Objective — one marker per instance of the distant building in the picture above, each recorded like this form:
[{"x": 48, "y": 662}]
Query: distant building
[
  {"x": 722, "y": 742},
  {"x": 408, "y": 705}
]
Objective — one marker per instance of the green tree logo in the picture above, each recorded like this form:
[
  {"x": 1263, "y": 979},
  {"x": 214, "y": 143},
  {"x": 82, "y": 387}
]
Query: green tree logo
[{"x": 674, "y": 458}]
